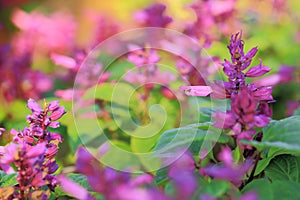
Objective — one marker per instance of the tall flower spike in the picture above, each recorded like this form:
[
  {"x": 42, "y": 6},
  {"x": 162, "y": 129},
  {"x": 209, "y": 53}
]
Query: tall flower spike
[
  {"x": 234, "y": 70},
  {"x": 32, "y": 152}
]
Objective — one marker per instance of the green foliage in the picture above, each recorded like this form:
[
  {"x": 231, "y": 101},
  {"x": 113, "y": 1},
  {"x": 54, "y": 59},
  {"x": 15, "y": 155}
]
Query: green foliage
[
  {"x": 262, "y": 187},
  {"x": 8, "y": 179},
  {"x": 286, "y": 190},
  {"x": 285, "y": 168},
  {"x": 280, "y": 137}
]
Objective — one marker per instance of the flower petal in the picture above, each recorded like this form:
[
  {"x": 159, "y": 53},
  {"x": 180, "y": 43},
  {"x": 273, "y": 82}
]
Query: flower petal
[
  {"x": 257, "y": 70},
  {"x": 196, "y": 90}
]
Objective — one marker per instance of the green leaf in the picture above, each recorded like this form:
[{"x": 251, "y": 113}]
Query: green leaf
[
  {"x": 81, "y": 180},
  {"x": 286, "y": 190},
  {"x": 214, "y": 188},
  {"x": 103, "y": 92},
  {"x": 297, "y": 111},
  {"x": 262, "y": 187},
  {"x": 217, "y": 188},
  {"x": 179, "y": 138},
  {"x": 170, "y": 189},
  {"x": 237, "y": 154},
  {"x": 8, "y": 179},
  {"x": 161, "y": 176},
  {"x": 284, "y": 167},
  {"x": 283, "y": 134}
]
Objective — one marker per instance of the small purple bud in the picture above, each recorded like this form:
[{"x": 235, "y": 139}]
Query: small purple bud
[
  {"x": 261, "y": 120},
  {"x": 54, "y": 124},
  {"x": 226, "y": 156},
  {"x": 263, "y": 93},
  {"x": 53, "y": 105},
  {"x": 257, "y": 70},
  {"x": 251, "y": 53},
  {"x": 56, "y": 136},
  {"x": 34, "y": 106},
  {"x": 58, "y": 113}
]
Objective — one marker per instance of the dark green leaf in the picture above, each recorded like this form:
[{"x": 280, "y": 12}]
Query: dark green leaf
[
  {"x": 284, "y": 167},
  {"x": 283, "y": 134},
  {"x": 217, "y": 188},
  {"x": 286, "y": 190},
  {"x": 161, "y": 176}
]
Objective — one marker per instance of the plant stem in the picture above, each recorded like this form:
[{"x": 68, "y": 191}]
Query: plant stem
[{"x": 254, "y": 168}]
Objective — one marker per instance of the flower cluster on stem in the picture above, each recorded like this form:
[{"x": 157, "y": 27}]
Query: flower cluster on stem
[
  {"x": 249, "y": 102},
  {"x": 32, "y": 152}
]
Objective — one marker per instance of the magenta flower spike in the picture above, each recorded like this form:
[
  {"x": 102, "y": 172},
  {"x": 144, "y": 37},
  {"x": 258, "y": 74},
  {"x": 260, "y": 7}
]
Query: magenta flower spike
[{"x": 32, "y": 152}]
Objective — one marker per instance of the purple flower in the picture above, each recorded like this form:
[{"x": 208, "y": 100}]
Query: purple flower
[
  {"x": 2, "y": 130},
  {"x": 229, "y": 170},
  {"x": 251, "y": 195},
  {"x": 32, "y": 152},
  {"x": 236, "y": 77},
  {"x": 65, "y": 61},
  {"x": 141, "y": 56},
  {"x": 245, "y": 114},
  {"x": 211, "y": 14},
  {"x": 182, "y": 174},
  {"x": 8, "y": 153},
  {"x": 74, "y": 189},
  {"x": 291, "y": 107},
  {"x": 34, "y": 106},
  {"x": 257, "y": 70},
  {"x": 37, "y": 26},
  {"x": 147, "y": 74},
  {"x": 284, "y": 75},
  {"x": 57, "y": 113}
]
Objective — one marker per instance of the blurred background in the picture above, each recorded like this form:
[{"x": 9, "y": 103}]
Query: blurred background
[{"x": 34, "y": 34}]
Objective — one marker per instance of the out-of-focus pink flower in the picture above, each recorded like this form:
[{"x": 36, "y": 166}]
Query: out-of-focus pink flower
[
  {"x": 251, "y": 195},
  {"x": 280, "y": 6},
  {"x": 74, "y": 189},
  {"x": 104, "y": 26},
  {"x": 162, "y": 78},
  {"x": 142, "y": 179},
  {"x": 65, "y": 61},
  {"x": 197, "y": 90},
  {"x": 291, "y": 107},
  {"x": 210, "y": 14},
  {"x": 141, "y": 56},
  {"x": 229, "y": 170},
  {"x": 66, "y": 95},
  {"x": 2, "y": 130},
  {"x": 8, "y": 153},
  {"x": 55, "y": 32},
  {"x": 145, "y": 60},
  {"x": 153, "y": 16},
  {"x": 182, "y": 174},
  {"x": 284, "y": 75},
  {"x": 168, "y": 93},
  {"x": 226, "y": 156}
]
